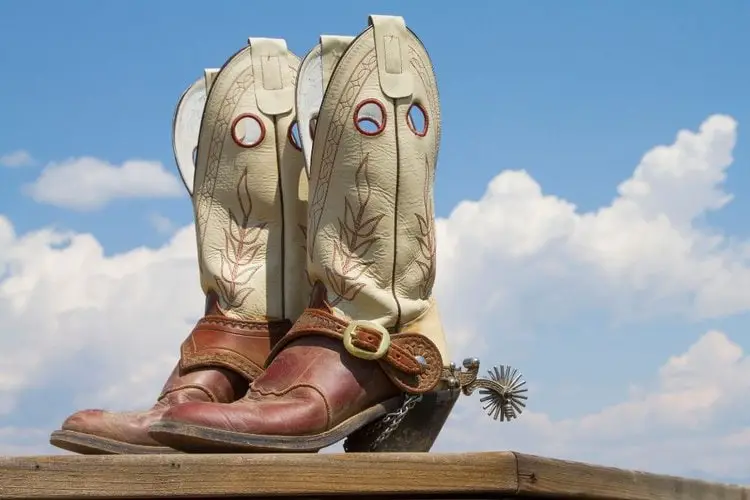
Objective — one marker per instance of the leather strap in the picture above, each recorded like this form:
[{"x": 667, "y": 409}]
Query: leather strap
[
  {"x": 401, "y": 361},
  {"x": 242, "y": 346},
  {"x": 202, "y": 380}
]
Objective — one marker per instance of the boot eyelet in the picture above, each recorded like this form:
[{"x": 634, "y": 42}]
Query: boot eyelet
[
  {"x": 293, "y": 136},
  {"x": 248, "y": 130},
  {"x": 370, "y": 117},
  {"x": 417, "y": 119}
]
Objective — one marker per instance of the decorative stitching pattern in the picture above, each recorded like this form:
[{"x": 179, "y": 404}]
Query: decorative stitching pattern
[
  {"x": 356, "y": 237},
  {"x": 221, "y": 130},
  {"x": 426, "y": 238},
  {"x": 250, "y": 326},
  {"x": 339, "y": 119},
  {"x": 428, "y": 83},
  {"x": 243, "y": 246}
]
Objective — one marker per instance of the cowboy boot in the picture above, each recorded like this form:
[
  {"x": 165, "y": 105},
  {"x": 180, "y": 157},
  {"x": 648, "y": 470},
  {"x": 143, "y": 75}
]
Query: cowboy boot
[
  {"x": 250, "y": 202},
  {"x": 186, "y": 126},
  {"x": 370, "y": 349}
]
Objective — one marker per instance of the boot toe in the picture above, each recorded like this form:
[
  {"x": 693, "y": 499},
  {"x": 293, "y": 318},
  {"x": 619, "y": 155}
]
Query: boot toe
[
  {"x": 126, "y": 427},
  {"x": 85, "y": 421}
]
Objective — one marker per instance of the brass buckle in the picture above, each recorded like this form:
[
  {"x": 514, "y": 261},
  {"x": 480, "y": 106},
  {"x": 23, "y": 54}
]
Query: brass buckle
[{"x": 385, "y": 341}]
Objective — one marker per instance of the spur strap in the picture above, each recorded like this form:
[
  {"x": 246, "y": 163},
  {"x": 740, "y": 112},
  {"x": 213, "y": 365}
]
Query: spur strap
[{"x": 410, "y": 360}]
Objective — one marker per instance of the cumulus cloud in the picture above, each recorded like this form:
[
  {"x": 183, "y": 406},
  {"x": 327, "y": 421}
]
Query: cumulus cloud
[
  {"x": 89, "y": 183},
  {"x": 642, "y": 255},
  {"x": 673, "y": 427},
  {"x": 19, "y": 158},
  {"x": 161, "y": 224},
  {"x": 506, "y": 261}
]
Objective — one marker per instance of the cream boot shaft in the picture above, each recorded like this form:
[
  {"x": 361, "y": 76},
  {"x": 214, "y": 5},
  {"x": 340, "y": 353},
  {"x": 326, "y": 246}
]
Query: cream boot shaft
[
  {"x": 250, "y": 195},
  {"x": 371, "y": 215}
]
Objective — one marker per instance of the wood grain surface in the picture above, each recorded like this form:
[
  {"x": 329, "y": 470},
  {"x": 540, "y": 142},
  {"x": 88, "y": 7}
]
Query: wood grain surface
[{"x": 384, "y": 475}]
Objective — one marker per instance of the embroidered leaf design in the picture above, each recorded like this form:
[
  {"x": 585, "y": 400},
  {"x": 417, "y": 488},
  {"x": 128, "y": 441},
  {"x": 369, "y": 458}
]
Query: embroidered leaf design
[
  {"x": 368, "y": 227},
  {"x": 363, "y": 247},
  {"x": 349, "y": 221},
  {"x": 426, "y": 237},
  {"x": 424, "y": 228},
  {"x": 243, "y": 195},
  {"x": 244, "y": 246},
  {"x": 303, "y": 228},
  {"x": 356, "y": 237}
]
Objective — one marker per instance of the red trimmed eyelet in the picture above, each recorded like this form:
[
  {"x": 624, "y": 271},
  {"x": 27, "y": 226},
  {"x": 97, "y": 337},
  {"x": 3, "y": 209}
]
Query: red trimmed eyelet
[
  {"x": 370, "y": 117},
  {"x": 248, "y": 130},
  {"x": 417, "y": 119},
  {"x": 293, "y": 136}
]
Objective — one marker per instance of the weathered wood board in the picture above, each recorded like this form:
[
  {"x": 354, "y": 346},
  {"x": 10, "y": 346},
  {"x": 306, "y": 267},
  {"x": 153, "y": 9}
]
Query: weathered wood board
[{"x": 385, "y": 475}]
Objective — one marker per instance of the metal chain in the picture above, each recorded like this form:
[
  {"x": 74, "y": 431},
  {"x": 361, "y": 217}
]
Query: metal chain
[{"x": 392, "y": 420}]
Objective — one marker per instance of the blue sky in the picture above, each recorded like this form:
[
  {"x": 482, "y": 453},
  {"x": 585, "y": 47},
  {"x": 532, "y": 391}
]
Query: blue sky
[{"x": 573, "y": 93}]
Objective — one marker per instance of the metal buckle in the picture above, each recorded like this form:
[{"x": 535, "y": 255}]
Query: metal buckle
[{"x": 385, "y": 342}]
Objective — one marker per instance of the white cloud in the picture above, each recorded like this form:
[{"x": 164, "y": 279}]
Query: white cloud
[
  {"x": 162, "y": 224},
  {"x": 673, "y": 427},
  {"x": 89, "y": 183},
  {"x": 68, "y": 298},
  {"x": 642, "y": 255},
  {"x": 506, "y": 263},
  {"x": 19, "y": 158}
]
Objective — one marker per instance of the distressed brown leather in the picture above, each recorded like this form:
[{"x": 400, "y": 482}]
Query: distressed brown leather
[
  {"x": 220, "y": 357},
  {"x": 313, "y": 384},
  {"x": 400, "y": 360},
  {"x": 217, "y": 385},
  {"x": 242, "y": 346}
]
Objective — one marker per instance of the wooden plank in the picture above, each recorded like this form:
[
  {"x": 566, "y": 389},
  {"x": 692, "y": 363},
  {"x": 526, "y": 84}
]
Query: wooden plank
[
  {"x": 402, "y": 475},
  {"x": 420, "y": 475},
  {"x": 538, "y": 476}
]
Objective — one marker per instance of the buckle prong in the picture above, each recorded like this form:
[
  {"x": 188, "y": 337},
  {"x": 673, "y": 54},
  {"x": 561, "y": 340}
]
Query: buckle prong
[{"x": 385, "y": 341}]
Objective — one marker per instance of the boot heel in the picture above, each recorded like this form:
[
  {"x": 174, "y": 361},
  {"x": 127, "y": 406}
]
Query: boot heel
[
  {"x": 406, "y": 430},
  {"x": 415, "y": 426}
]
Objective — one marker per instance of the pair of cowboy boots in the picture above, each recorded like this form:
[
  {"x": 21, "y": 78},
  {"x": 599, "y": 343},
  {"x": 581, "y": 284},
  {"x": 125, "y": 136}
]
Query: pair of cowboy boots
[{"x": 313, "y": 201}]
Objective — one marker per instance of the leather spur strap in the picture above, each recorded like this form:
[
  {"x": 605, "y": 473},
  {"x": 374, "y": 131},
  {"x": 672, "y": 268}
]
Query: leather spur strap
[
  {"x": 410, "y": 360},
  {"x": 242, "y": 346}
]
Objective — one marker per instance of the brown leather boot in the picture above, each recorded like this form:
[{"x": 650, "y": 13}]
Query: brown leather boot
[
  {"x": 218, "y": 360},
  {"x": 371, "y": 347},
  {"x": 250, "y": 200}
]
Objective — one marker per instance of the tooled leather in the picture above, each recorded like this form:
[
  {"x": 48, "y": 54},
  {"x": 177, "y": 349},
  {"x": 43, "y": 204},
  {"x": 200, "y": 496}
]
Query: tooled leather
[
  {"x": 399, "y": 362},
  {"x": 242, "y": 346}
]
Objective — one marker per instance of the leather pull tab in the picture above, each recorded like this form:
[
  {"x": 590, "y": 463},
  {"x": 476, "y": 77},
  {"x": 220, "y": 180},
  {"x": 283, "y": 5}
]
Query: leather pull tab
[
  {"x": 209, "y": 75},
  {"x": 332, "y": 47},
  {"x": 274, "y": 81},
  {"x": 390, "y": 49}
]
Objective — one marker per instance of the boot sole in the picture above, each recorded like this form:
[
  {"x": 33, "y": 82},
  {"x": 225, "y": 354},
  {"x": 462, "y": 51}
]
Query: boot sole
[
  {"x": 88, "y": 444},
  {"x": 200, "y": 439}
]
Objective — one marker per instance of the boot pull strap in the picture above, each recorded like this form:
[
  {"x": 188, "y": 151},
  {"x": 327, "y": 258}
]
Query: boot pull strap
[
  {"x": 274, "y": 87},
  {"x": 390, "y": 48}
]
